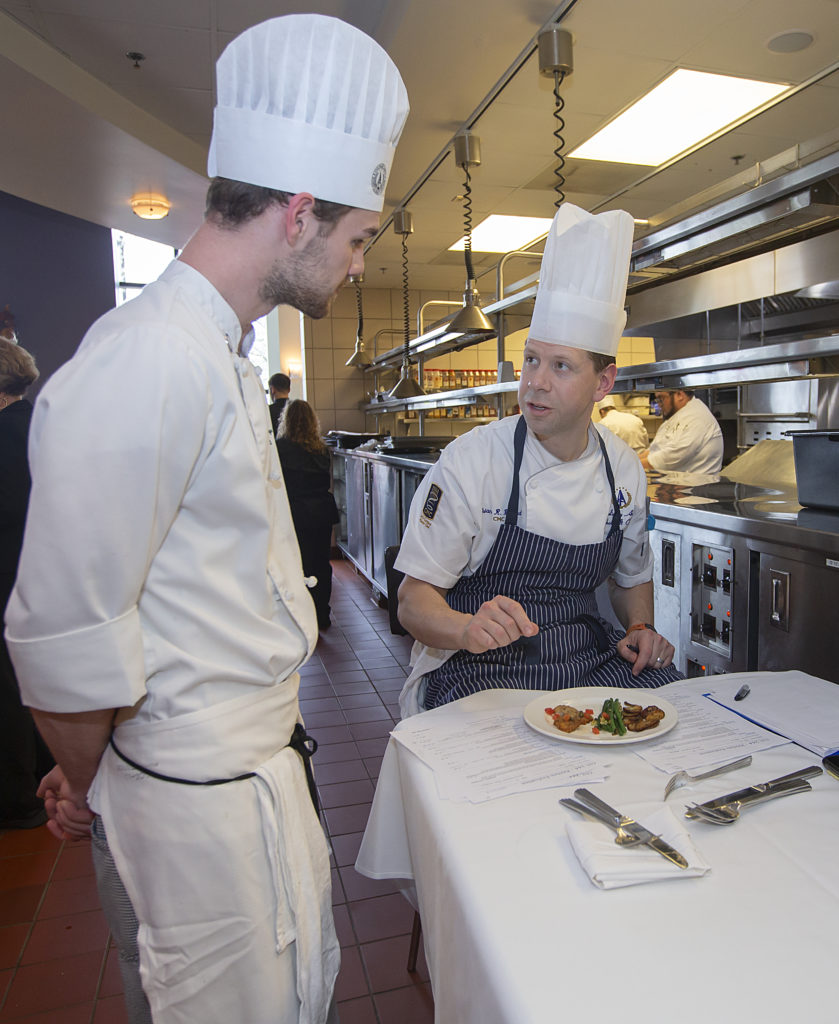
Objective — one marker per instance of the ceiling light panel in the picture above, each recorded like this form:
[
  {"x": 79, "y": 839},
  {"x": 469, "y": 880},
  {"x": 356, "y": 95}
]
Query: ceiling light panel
[
  {"x": 501, "y": 233},
  {"x": 684, "y": 109}
]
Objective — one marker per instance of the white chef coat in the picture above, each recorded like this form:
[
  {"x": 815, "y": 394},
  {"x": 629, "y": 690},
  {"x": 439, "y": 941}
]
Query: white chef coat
[
  {"x": 566, "y": 501},
  {"x": 628, "y": 428},
  {"x": 689, "y": 441},
  {"x": 160, "y": 562},
  {"x": 457, "y": 512},
  {"x": 160, "y": 574}
]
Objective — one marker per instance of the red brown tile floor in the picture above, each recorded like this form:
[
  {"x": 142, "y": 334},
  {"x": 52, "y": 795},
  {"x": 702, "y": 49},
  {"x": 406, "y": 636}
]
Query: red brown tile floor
[{"x": 57, "y": 965}]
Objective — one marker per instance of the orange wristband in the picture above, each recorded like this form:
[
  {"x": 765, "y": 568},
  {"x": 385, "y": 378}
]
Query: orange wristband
[{"x": 640, "y": 625}]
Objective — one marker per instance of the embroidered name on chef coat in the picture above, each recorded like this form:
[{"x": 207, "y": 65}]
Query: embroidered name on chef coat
[{"x": 432, "y": 501}]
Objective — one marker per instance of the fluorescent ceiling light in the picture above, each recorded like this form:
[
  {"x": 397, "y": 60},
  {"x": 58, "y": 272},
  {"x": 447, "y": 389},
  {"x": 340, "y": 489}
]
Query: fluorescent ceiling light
[
  {"x": 687, "y": 107},
  {"x": 499, "y": 233}
]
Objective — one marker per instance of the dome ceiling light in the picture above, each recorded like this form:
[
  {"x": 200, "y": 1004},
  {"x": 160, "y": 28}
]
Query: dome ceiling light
[{"x": 150, "y": 206}]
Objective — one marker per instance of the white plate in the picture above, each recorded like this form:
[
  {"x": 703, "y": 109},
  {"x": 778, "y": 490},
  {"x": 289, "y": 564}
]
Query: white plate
[{"x": 582, "y": 697}]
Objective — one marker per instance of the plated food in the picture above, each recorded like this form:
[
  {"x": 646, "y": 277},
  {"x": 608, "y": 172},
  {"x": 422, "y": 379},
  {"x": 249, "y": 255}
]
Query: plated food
[{"x": 598, "y": 714}]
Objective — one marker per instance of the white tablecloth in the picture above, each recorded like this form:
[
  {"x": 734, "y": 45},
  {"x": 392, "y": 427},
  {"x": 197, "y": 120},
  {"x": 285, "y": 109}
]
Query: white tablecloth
[{"x": 515, "y": 932}]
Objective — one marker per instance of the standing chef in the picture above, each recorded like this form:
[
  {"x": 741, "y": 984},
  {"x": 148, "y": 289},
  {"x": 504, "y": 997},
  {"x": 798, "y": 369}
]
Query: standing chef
[
  {"x": 160, "y": 614},
  {"x": 521, "y": 520},
  {"x": 688, "y": 441},
  {"x": 629, "y": 428}
]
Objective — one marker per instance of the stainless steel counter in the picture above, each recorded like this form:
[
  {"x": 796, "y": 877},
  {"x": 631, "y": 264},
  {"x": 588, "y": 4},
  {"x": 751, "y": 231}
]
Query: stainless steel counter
[{"x": 763, "y": 513}]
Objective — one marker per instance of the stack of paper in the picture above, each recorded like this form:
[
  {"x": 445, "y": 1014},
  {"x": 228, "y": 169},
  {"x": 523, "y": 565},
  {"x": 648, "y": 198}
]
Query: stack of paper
[
  {"x": 803, "y": 708},
  {"x": 494, "y": 754}
]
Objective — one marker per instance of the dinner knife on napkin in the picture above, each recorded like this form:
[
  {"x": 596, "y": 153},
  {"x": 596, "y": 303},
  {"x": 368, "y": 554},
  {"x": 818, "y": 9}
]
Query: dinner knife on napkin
[
  {"x": 751, "y": 794},
  {"x": 631, "y": 826}
]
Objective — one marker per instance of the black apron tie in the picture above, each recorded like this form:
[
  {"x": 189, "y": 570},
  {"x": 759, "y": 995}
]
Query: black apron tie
[
  {"x": 306, "y": 745},
  {"x": 300, "y": 741}
]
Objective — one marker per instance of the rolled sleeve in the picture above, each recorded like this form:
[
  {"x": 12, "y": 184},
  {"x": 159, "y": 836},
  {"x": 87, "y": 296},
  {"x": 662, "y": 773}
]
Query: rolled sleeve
[
  {"x": 99, "y": 648},
  {"x": 437, "y": 548},
  {"x": 635, "y": 561}
]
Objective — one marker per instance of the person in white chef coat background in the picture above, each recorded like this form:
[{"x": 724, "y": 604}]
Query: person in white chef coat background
[
  {"x": 628, "y": 428},
  {"x": 521, "y": 520},
  {"x": 160, "y": 612},
  {"x": 689, "y": 440}
]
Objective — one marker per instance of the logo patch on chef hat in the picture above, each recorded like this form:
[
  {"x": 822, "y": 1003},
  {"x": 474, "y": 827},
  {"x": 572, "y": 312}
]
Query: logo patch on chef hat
[
  {"x": 624, "y": 497},
  {"x": 430, "y": 505},
  {"x": 378, "y": 179}
]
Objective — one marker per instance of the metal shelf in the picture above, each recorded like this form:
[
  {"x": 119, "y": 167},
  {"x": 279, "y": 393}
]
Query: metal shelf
[
  {"x": 442, "y": 399},
  {"x": 793, "y": 360}
]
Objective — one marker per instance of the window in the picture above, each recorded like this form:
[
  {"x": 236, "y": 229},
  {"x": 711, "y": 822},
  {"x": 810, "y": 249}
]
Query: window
[{"x": 138, "y": 261}]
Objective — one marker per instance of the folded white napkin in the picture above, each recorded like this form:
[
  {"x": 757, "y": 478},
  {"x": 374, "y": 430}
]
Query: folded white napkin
[{"x": 611, "y": 866}]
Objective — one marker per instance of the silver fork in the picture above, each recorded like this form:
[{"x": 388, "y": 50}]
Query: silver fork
[
  {"x": 683, "y": 779},
  {"x": 727, "y": 814}
]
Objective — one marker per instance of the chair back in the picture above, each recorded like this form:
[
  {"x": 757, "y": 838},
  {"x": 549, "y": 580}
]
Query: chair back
[{"x": 394, "y": 578}]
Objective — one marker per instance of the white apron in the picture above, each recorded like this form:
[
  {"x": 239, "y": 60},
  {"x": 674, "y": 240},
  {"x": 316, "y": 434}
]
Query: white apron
[{"x": 231, "y": 884}]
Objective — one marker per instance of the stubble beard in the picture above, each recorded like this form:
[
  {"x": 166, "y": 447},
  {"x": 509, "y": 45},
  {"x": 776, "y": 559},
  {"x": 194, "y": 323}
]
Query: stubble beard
[{"x": 294, "y": 283}]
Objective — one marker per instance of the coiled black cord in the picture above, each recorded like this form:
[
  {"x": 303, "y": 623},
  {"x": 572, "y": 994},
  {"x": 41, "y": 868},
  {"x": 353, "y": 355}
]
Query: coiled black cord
[
  {"x": 360, "y": 312},
  {"x": 467, "y": 219},
  {"x": 559, "y": 177},
  {"x": 406, "y": 310}
]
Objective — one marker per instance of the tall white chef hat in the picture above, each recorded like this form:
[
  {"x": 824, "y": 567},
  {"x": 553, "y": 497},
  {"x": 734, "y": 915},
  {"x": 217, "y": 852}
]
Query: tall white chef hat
[
  {"x": 582, "y": 283},
  {"x": 308, "y": 103}
]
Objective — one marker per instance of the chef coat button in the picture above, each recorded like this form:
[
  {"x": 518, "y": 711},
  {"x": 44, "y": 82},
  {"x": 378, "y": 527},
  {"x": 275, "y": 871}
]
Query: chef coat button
[{"x": 288, "y": 596}]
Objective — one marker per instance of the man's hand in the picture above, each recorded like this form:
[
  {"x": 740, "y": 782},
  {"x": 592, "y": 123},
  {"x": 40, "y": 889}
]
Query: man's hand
[
  {"x": 645, "y": 648},
  {"x": 67, "y": 810},
  {"x": 497, "y": 623}
]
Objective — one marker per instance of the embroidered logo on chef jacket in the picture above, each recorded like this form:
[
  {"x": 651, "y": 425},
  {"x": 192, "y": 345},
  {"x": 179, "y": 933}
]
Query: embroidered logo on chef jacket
[
  {"x": 432, "y": 502},
  {"x": 624, "y": 500}
]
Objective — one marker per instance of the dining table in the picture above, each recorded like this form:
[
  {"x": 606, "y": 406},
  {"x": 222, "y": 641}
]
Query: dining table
[{"x": 516, "y": 932}]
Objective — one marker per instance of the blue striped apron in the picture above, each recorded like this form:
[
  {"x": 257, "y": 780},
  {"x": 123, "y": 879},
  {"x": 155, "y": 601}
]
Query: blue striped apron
[{"x": 555, "y": 583}]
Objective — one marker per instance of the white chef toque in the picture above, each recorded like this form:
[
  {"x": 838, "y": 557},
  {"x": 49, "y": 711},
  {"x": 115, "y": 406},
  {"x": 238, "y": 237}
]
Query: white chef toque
[
  {"x": 308, "y": 103},
  {"x": 606, "y": 403},
  {"x": 582, "y": 283}
]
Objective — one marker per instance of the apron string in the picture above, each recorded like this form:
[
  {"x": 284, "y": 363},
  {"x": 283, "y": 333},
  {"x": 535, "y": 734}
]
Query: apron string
[
  {"x": 512, "y": 516},
  {"x": 616, "y": 518},
  {"x": 300, "y": 741}
]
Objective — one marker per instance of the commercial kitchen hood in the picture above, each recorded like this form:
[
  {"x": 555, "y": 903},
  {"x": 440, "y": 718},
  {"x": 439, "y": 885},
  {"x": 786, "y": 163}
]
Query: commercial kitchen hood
[{"x": 789, "y": 207}]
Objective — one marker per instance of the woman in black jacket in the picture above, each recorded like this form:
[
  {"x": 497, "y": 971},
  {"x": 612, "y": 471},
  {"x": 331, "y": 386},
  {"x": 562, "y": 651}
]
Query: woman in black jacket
[
  {"x": 24, "y": 757},
  {"x": 305, "y": 462}
]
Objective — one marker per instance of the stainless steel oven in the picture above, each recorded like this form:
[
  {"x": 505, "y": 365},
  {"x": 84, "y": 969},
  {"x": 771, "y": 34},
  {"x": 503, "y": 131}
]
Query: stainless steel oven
[{"x": 747, "y": 581}]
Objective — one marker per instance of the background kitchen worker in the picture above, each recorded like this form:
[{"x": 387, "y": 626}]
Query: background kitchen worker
[
  {"x": 628, "y": 428},
  {"x": 689, "y": 440},
  {"x": 304, "y": 459},
  {"x": 279, "y": 385},
  {"x": 158, "y": 632},
  {"x": 520, "y": 521}
]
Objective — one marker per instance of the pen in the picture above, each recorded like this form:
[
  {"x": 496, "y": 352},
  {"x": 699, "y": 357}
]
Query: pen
[{"x": 743, "y": 692}]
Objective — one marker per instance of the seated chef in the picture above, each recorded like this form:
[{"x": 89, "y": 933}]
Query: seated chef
[
  {"x": 688, "y": 441},
  {"x": 521, "y": 520}
]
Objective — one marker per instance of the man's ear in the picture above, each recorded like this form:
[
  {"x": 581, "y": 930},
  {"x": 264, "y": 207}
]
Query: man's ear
[
  {"x": 606, "y": 381},
  {"x": 299, "y": 219}
]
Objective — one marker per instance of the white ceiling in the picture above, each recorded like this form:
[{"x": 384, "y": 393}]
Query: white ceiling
[{"x": 83, "y": 130}]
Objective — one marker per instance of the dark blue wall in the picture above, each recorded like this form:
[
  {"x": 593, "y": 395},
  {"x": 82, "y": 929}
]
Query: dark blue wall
[{"x": 57, "y": 277}]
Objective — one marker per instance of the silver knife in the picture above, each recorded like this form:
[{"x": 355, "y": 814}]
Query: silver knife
[
  {"x": 751, "y": 793},
  {"x": 631, "y": 826}
]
